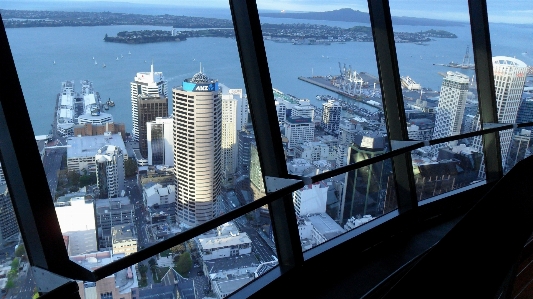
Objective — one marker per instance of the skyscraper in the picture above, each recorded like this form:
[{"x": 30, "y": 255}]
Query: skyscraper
[
  {"x": 331, "y": 116},
  {"x": 160, "y": 140},
  {"x": 9, "y": 228},
  {"x": 149, "y": 108},
  {"x": 451, "y": 107},
  {"x": 232, "y": 116},
  {"x": 197, "y": 111},
  {"x": 110, "y": 171},
  {"x": 145, "y": 83},
  {"x": 509, "y": 79}
]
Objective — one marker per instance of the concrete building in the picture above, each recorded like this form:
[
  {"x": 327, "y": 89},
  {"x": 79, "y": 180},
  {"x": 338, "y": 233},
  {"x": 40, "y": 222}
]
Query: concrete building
[
  {"x": 420, "y": 128},
  {"x": 160, "y": 141},
  {"x": 91, "y": 129},
  {"x": 149, "y": 108},
  {"x": 281, "y": 110},
  {"x": 145, "y": 83},
  {"x": 115, "y": 286},
  {"x": 304, "y": 109},
  {"x": 312, "y": 151},
  {"x": 124, "y": 239},
  {"x": 509, "y": 80},
  {"x": 83, "y": 150},
  {"x": 111, "y": 212},
  {"x": 230, "y": 126},
  {"x": 159, "y": 195},
  {"x": 299, "y": 130},
  {"x": 197, "y": 111},
  {"x": 227, "y": 275},
  {"x": 224, "y": 246},
  {"x": 77, "y": 222},
  {"x": 451, "y": 107},
  {"x": 9, "y": 229},
  {"x": 310, "y": 199},
  {"x": 110, "y": 171},
  {"x": 331, "y": 116}
]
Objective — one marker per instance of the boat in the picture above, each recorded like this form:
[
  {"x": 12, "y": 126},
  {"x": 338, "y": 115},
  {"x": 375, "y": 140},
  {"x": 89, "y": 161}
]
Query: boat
[
  {"x": 110, "y": 103},
  {"x": 121, "y": 56},
  {"x": 129, "y": 52},
  {"x": 95, "y": 62},
  {"x": 106, "y": 107},
  {"x": 54, "y": 62},
  {"x": 117, "y": 57},
  {"x": 103, "y": 65},
  {"x": 93, "y": 57}
]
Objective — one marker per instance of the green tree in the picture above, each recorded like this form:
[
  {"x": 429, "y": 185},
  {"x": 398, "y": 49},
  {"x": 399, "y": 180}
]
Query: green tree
[
  {"x": 151, "y": 262},
  {"x": 184, "y": 264},
  {"x": 130, "y": 167},
  {"x": 180, "y": 248},
  {"x": 73, "y": 178},
  {"x": 89, "y": 179},
  {"x": 20, "y": 251}
]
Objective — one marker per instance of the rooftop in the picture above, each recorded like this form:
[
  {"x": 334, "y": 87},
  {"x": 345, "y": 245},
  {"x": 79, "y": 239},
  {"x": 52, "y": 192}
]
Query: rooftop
[
  {"x": 88, "y": 146},
  {"x": 221, "y": 241}
]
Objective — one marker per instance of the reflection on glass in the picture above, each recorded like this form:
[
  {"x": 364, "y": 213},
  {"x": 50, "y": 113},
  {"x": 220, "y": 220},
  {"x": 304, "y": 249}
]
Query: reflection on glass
[{"x": 17, "y": 278}]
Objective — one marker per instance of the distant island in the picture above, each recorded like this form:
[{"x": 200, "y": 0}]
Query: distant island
[
  {"x": 350, "y": 15},
  {"x": 31, "y": 18},
  {"x": 297, "y": 34}
]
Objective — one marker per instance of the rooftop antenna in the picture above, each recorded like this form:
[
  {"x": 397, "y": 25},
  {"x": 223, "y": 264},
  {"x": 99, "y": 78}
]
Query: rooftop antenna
[{"x": 152, "y": 67}]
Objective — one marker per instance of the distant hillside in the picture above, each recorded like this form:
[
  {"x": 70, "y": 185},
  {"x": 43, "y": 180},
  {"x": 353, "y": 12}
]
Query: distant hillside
[{"x": 350, "y": 15}]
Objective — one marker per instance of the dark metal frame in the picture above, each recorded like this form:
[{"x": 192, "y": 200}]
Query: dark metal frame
[
  {"x": 34, "y": 206},
  {"x": 391, "y": 90}
]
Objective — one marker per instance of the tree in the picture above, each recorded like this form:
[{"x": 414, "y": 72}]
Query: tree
[
  {"x": 73, "y": 178},
  {"x": 89, "y": 179},
  {"x": 20, "y": 251},
  {"x": 130, "y": 167},
  {"x": 180, "y": 248},
  {"x": 184, "y": 264}
]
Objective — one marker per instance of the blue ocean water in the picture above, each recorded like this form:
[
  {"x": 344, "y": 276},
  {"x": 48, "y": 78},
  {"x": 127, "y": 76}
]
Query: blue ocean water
[{"x": 73, "y": 49}]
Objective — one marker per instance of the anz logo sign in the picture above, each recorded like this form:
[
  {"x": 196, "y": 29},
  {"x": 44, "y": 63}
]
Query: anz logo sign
[{"x": 209, "y": 87}]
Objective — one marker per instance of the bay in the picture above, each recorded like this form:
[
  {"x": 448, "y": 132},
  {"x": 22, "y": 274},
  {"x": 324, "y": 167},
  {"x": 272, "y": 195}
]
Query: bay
[{"x": 72, "y": 48}]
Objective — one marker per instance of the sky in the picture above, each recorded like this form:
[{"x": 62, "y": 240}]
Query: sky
[{"x": 501, "y": 11}]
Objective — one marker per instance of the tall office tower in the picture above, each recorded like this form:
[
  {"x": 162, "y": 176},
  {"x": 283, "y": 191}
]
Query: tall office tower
[
  {"x": 197, "y": 111},
  {"x": 299, "y": 130},
  {"x": 246, "y": 137},
  {"x": 451, "y": 108},
  {"x": 149, "y": 108},
  {"x": 2, "y": 177},
  {"x": 509, "y": 79},
  {"x": 331, "y": 116},
  {"x": 160, "y": 141},
  {"x": 147, "y": 83},
  {"x": 110, "y": 171},
  {"x": 525, "y": 111},
  {"x": 230, "y": 125},
  {"x": 365, "y": 187},
  {"x": 9, "y": 229}
]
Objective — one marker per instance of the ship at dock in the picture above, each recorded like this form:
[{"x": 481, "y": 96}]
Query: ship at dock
[
  {"x": 75, "y": 108},
  {"x": 409, "y": 83}
]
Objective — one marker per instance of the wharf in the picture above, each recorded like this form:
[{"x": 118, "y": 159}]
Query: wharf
[{"x": 326, "y": 83}]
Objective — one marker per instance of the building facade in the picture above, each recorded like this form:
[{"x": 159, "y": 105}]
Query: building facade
[
  {"x": 110, "y": 171},
  {"x": 197, "y": 112},
  {"x": 331, "y": 116},
  {"x": 451, "y": 107},
  {"x": 160, "y": 141},
  {"x": 145, "y": 83},
  {"x": 9, "y": 229},
  {"x": 149, "y": 108}
]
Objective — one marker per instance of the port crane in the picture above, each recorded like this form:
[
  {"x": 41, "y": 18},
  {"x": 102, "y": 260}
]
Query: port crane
[{"x": 350, "y": 81}]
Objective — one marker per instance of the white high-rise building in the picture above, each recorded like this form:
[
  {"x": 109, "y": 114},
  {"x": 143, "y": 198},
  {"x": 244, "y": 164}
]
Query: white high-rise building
[
  {"x": 451, "y": 107},
  {"x": 303, "y": 109},
  {"x": 234, "y": 117},
  {"x": 197, "y": 111},
  {"x": 145, "y": 83},
  {"x": 299, "y": 130},
  {"x": 281, "y": 111},
  {"x": 331, "y": 116},
  {"x": 110, "y": 173},
  {"x": 160, "y": 140},
  {"x": 509, "y": 79}
]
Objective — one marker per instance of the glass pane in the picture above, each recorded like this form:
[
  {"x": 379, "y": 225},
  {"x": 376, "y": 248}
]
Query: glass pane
[
  {"x": 150, "y": 133},
  {"x": 437, "y": 75},
  {"x": 456, "y": 166},
  {"x": 510, "y": 25},
  {"x": 16, "y": 277},
  {"x": 325, "y": 80},
  {"x": 214, "y": 264}
]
